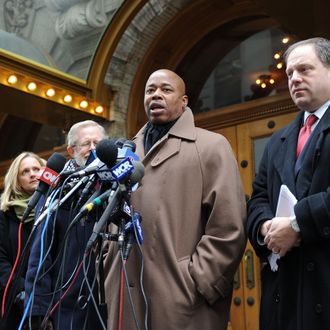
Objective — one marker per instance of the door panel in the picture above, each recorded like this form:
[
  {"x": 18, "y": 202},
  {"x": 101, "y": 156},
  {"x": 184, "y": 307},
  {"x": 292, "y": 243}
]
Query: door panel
[
  {"x": 248, "y": 141},
  {"x": 237, "y": 314}
]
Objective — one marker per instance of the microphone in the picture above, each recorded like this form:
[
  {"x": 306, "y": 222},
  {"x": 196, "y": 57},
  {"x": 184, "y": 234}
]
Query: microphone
[
  {"x": 90, "y": 169},
  {"x": 133, "y": 231},
  {"x": 128, "y": 150},
  {"x": 126, "y": 157},
  {"x": 87, "y": 190},
  {"x": 119, "y": 143},
  {"x": 107, "y": 151},
  {"x": 108, "y": 154},
  {"x": 130, "y": 145},
  {"x": 54, "y": 165},
  {"x": 114, "y": 199},
  {"x": 135, "y": 178},
  {"x": 95, "y": 203},
  {"x": 136, "y": 175},
  {"x": 57, "y": 203}
]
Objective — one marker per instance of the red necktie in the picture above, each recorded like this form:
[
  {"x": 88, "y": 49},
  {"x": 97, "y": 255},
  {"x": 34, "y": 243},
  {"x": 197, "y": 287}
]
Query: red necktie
[{"x": 305, "y": 132}]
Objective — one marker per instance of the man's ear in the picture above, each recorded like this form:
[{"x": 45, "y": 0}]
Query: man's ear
[
  {"x": 70, "y": 151},
  {"x": 185, "y": 100}
]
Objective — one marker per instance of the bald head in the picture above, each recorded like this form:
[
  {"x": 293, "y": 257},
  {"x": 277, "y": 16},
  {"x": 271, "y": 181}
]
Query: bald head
[
  {"x": 170, "y": 75},
  {"x": 164, "y": 98}
]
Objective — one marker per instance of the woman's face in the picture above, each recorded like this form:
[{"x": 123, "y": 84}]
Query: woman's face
[{"x": 27, "y": 174}]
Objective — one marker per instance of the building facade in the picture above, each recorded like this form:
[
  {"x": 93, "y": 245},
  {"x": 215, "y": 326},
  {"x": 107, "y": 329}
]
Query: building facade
[{"x": 90, "y": 60}]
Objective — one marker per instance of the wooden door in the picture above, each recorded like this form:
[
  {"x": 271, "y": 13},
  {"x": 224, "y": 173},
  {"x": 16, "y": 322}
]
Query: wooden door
[{"x": 248, "y": 141}]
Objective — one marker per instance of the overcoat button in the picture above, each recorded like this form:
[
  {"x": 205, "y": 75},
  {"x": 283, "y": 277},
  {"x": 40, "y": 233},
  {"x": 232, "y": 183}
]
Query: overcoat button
[
  {"x": 277, "y": 298},
  {"x": 326, "y": 231},
  {"x": 310, "y": 267},
  {"x": 318, "y": 308}
]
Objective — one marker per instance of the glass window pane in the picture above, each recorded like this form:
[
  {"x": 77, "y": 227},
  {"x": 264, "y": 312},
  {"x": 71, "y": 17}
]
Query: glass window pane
[
  {"x": 258, "y": 150},
  {"x": 249, "y": 71},
  {"x": 62, "y": 34}
]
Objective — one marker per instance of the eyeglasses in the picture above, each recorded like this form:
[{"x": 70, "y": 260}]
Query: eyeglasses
[{"x": 86, "y": 144}]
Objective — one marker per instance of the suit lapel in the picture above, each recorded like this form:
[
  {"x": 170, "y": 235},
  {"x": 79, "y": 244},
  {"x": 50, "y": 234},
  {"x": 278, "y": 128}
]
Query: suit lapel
[
  {"x": 285, "y": 158},
  {"x": 305, "y": 174}
]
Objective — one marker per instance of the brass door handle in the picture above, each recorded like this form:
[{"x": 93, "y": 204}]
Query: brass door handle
[
  {"x": 237, "y": 282},
  {"x": 249, "y": 269}
]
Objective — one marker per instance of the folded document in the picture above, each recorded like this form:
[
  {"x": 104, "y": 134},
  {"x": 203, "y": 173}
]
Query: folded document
[{"x": 285, "y": 208}]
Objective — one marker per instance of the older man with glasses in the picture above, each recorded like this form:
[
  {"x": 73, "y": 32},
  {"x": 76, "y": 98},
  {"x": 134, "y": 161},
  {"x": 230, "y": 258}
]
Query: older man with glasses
[
  {"x": 60, "y": 265},
  {"x": 82, "y": 138}
]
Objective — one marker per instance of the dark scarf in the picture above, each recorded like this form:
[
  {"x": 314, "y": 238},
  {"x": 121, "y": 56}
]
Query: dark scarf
[
  {"x": 153, "y": 133},
  {"x": 19, "y": 202}
]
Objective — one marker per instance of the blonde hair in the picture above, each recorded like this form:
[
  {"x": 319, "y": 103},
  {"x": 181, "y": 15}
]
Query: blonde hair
[{"x": 11, "y": 185}]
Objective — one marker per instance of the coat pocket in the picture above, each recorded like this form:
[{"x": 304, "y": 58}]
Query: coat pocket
[{"x": 195, "y": 299}]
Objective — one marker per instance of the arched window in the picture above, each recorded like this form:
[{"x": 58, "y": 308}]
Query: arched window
[{"x": 237, "y": 68}]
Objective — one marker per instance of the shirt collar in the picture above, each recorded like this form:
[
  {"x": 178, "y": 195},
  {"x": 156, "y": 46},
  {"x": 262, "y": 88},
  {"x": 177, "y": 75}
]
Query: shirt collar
[{"x": 319, "y": 112}]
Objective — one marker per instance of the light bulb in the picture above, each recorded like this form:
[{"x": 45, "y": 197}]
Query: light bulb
[
  {"x": 279, "y": 65},
  {"x": 50, "y": 92},
  {"x": 12, "y": 79},
  {"x": 99, "y": 109},
  {"x": 83, "y": 104},
  {"x": 32, "y": 86},
  {"x": 67, "y": 98}
]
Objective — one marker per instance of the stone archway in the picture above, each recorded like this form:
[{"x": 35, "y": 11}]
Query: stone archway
[{"x": 160, "y": 35}]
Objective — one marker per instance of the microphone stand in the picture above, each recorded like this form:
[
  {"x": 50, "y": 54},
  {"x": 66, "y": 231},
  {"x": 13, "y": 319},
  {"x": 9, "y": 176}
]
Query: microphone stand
[
  {"x": 58, "y": 203},
  {"x": 102, "y": 304},
  {"x": 122, "y": 193}
]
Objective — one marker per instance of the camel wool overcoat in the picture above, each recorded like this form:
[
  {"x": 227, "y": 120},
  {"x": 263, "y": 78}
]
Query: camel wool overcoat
[{"x": 193, "y": 210}]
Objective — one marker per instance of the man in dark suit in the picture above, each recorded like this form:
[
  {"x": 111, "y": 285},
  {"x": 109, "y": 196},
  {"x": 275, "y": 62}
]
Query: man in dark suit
[{"x": 297, "y": 294}]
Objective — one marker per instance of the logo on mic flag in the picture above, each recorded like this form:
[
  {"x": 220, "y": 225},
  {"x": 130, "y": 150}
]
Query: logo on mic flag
[
  {"x": 122, "y": 169},
  {"x": 49, "y": 176}
]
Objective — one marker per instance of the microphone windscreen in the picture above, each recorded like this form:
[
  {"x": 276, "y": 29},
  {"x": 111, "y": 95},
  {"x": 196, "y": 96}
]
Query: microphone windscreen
[
  {"x": 56, "y": 162},
  {"x": 120, "y": 142},
  {"x": 107, "y": 151},
  {"x": 130, "y": 145},
  {"x": 137, "y": 173}
]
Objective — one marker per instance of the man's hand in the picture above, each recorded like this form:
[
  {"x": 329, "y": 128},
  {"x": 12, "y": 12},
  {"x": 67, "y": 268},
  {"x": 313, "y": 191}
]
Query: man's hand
[
  {"x": 280, "y": 237},
  {"x": 265, "y": 228}
]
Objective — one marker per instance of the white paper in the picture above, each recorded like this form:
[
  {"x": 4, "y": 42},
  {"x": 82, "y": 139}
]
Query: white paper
[{"x": 285, "y": 208}]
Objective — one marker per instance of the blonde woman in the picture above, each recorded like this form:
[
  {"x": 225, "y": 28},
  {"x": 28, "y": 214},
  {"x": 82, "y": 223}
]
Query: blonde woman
[{"x": 19, "y": 185}]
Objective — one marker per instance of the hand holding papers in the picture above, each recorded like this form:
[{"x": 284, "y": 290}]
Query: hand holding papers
[{"x": 285, "y": 208}]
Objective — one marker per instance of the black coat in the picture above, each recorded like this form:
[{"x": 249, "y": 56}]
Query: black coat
[
  {"x": 71, "y": 312},
  {"x": 297, "y": 296},
  {"x": 9, "y": 224}
]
